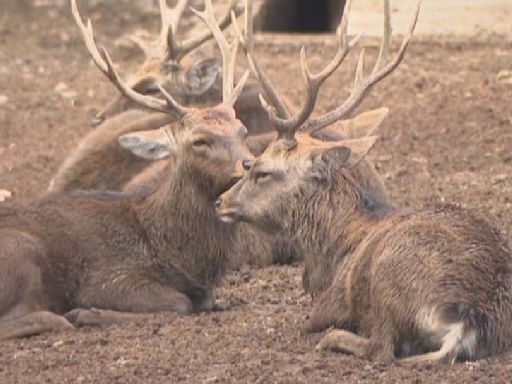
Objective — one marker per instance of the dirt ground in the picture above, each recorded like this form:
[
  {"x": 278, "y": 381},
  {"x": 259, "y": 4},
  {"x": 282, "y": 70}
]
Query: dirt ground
[
  {"x": 448, "y": 138},
  {"x": 460, "y": 17}
]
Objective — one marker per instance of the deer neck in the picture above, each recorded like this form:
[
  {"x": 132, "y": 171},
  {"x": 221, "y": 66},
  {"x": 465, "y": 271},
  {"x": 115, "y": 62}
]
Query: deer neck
[
  {"x": 334, "y": 223},
  {"x": 181, "y": 225}
]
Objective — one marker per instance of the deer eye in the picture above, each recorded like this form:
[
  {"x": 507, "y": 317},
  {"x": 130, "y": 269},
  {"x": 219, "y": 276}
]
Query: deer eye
[
  {"x": 201, "y": 143},
  {"x": 261, "y": 176}
]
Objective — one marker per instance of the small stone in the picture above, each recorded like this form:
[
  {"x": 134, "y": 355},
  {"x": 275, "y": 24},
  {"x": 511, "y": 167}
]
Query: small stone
[
  {"x": 3, "y": 99},
  {"x": 504, "y": 77},
  {"x": 58, "y": 344},
  {"x": 63, "y": 90},
  {"x": 5, "y": 194},
  {"x": 499, "y": 179}
]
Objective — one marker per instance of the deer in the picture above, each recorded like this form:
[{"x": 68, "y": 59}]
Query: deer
[
  {"x": 98, "y": 162},
  {"x": 93, "y": 257},
  {"x": 262, "y": 249},
  {"x": 413, "y": 286}
]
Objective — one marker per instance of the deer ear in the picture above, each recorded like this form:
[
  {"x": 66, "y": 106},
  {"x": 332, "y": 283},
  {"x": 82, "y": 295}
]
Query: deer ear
[
  {"x": 202, "y": 76},
  {"x": 363, "y": 125},
  {"x": 359, "y": 148},
  {"x": 327, "y": 159},
  {"x": 149, "y": 145},
  {"x": 344, "y": 153}
]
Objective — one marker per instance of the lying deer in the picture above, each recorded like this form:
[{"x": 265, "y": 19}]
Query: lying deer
[
  {"x": 256, "y": 247},
  {"x": 99, "y": 162},
  {"x": 430, "y": 286},
  {"x": 161, "y": 252}
]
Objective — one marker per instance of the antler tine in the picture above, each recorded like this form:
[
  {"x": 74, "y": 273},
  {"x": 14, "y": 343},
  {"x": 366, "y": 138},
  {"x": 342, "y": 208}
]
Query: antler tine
[
  {"x": 248, "y": 45},
  {"x": 105, "y": 64},
  {"x": 228, "y": 52},
  {"x": 363, "y": 86},
  {"x": 165, "y": 45},
  {"x": 88, "y": 37},
  {"x": 170, "y": 19},
  {"x": 386, "y": 38},
  {"x": 169, "y": 106},
  {"x": 287, "y": 127},
  {"x": 193, "y": 42}
]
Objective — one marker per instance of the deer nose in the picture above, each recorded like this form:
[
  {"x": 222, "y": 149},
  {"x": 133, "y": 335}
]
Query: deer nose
[{"x": 246, "y": 164}]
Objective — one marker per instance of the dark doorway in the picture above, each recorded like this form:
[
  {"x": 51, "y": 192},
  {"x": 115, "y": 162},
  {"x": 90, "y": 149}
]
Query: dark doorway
[{"x": 300, "y": 16}]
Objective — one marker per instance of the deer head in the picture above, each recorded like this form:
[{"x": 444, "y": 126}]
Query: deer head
[
  {"x": 164, "y": 65},
  {"x": 296, "y": 163},
  {"x": 210, "y": 141}
]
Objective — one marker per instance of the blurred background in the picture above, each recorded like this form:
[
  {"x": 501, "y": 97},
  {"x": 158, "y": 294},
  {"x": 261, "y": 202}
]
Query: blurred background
[{"x": 316, "y": 16}]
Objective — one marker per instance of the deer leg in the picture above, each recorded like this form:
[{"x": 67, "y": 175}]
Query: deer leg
[
  {"x": 329, "y": 310},
  {"x": 339, "y": 340},
  {"x": 456, "y": 339},
  {"x": 102, "y": 317},
  {"x": 33, "y": 323},
  {"x": 381, "y": 346},
  {"x": 23, "y": 296},
  {"x": 126, "y": 298}
]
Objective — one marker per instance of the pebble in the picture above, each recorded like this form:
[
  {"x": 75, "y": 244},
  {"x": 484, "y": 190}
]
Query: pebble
[
  {"x": 66, "y": 92},
  {"x": 504, "y": 77},
  {"x": 58, "y": 344},
  {"x": 5, "y": 194}
]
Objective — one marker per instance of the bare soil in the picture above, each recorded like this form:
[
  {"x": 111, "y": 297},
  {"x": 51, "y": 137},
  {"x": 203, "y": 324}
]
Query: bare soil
[{"x": 448, "y": 138}]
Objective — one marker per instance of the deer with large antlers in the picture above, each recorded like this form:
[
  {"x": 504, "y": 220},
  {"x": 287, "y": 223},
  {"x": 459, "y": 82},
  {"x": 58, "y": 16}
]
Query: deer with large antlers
[
  {"x": 427, "y": 286},
  {"x": 256, "y": 246},
  {"x": 99, "y": 162},
  {"x": 161, "y": 252}
]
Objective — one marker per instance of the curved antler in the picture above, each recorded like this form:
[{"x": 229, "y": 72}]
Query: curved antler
[
  {"x": 248, "y": 45},
  {"x": 195, "y": 41},
  {"x": 230, "y": 92},
  {"x": 167, "y": 47},
  {"x": 103, "y": 61},
  {"x": 287, "y": 126},
  {"x": 362, "y": 86}
]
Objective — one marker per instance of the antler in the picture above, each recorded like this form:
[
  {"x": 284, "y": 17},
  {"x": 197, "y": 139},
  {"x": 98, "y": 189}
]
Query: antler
[
  {"x": 362, "y": 85},
  {"x": 286, "y": 126},
  {"x": 229, "y": 92},
  {"x": 103, "y": 61},
  {"x": 166, "y": 47},
  {"x": 248, "y": 45}
]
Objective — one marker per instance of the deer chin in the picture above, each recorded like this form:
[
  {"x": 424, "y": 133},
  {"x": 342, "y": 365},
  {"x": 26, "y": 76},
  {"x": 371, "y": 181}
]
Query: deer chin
[{"x": 228, "y": 217}]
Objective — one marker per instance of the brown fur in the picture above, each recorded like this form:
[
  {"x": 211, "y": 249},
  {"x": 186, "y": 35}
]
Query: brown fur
[
  {"x": 253, "y": 246},
  {"x": 99, "y": 162},
  {"x": 133, "y": 253},
  {"x": 437, "y": 282}
]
